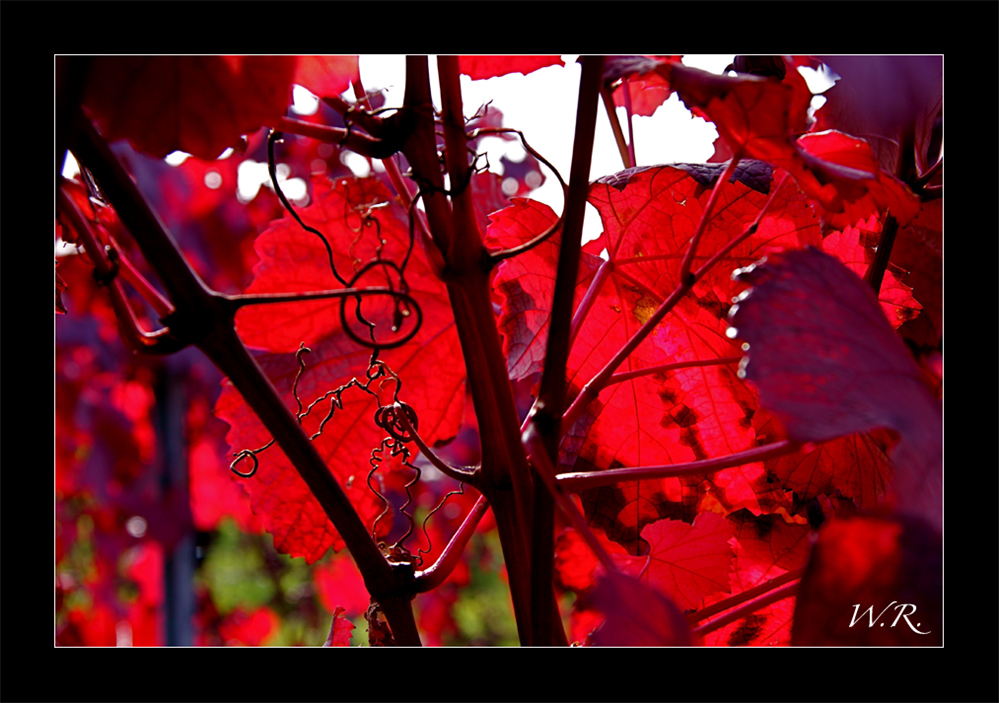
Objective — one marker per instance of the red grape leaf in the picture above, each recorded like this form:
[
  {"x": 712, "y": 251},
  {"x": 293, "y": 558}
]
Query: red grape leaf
[
  {"x": 872, "y": 581},
  {"x": 649, "y": 216},
  {"x": 918, "y": 251},
  {"x": 755, "y": 115},
  {"x": 519, "y": 222},
  {"x": 340, "y": 630},
  {"x": 479, "y": 67},
  {"x": 429, "y": 366},
  {"x": 687, "y": 563},
  {"x": 855, "y": 247},
  {"x": 884, "y": 96},
  {"x": 647, "y": 88},
  {"x": 828, "y": 363},
  {"x": 635, "y": 615},
  {"x": 842, "y": 173},
  {"x": 326, "y": 75},
  {"x": 857, "y": 466},
  {"x": 197, "y": 104},
  {"x": 758, "y": 118}
]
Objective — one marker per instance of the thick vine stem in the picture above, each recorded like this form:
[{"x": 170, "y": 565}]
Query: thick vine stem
[
  {"x": 466, "y": 248},
  {"x": 419, "y": 148},
  {"x": 204, "y": 318},
  {"x": 505, "y": 475},
  {"x": 544, "y": 428},
  {"x": 538, "y": 454}
]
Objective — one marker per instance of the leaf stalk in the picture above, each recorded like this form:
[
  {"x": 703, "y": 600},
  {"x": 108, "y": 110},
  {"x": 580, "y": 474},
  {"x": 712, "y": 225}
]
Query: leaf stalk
[
  {"x": 583, "y": 480},
  {"x": 433, "y": 576}
]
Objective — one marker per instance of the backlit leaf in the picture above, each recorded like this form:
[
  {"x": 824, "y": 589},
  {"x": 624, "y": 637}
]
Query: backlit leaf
[
  {"x": 829, "y": 364},
  {"x": 872, "y": 581},
  {"x": 479, "y": 67},
  {"x": 360, "y": 224},
  {"x": 197, "y": 104}
]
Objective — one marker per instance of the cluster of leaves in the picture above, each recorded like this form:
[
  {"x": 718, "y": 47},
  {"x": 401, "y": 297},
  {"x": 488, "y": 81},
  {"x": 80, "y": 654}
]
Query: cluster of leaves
[{"x": 753, "y": 360}]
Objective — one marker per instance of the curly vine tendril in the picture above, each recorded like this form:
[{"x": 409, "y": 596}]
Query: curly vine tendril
[
  {"x": 398, "y": 419},
  {"x": 376, "y": 370},
  {"x": 401, "y": 421},
  {"x": 405, "y": 305},
  {"x": 275, "y": 136}
]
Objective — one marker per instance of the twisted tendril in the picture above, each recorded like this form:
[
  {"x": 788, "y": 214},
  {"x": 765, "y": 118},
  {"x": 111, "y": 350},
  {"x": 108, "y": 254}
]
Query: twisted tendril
[
  {"x": 387, "y": 417},
  {"x": 272, "y": 170},
  {"x": 405, "y": 306}
]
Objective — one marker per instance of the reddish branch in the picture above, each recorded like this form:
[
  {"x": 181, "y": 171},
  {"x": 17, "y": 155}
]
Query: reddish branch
[
  {"x": 685, "y": 275},
  {"x": 358, "y": 142},
  {"x": 547, "y": 411},
  {"x": 606, "y": 268},
  {"x": 457, "y": 473},
  {"x": 748, "y": 608},
  {"x": 623, "y": 147},
  {"x": 205, "y": 318},
  {"x": 580, "y": 481},
  {"x": 108, "y": 265},
  {"x": 435, "y": 575},
  {"x": 628, "y": 375},
  {"x": 741, "y": 598},
  {"x": 504, "y": 477}
]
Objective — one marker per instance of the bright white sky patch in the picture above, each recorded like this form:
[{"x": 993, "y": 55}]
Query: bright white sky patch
[{"x": 543, "y": 106}]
